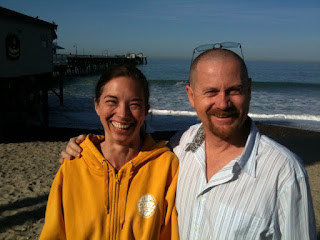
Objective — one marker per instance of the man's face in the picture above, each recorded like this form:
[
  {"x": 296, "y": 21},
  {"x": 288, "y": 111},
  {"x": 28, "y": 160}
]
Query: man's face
[{"x": 219, "y": 96}]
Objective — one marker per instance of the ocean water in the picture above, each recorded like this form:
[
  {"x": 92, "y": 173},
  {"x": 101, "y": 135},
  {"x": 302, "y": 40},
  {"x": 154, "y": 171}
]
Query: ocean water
[{"x": 283, "y": 93}]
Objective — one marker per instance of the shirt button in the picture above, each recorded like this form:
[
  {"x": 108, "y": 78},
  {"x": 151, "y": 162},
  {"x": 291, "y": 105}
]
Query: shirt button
[
  {"x": 195, "y": 228},
  {"x": 201, "y": 197}
]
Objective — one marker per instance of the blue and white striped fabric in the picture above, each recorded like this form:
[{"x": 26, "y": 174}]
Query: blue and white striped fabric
[{"x": 262, "y": 194}]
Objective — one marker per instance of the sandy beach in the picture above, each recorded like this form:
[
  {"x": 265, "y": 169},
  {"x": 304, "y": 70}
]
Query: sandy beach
[{"x": 29, "y": 162}]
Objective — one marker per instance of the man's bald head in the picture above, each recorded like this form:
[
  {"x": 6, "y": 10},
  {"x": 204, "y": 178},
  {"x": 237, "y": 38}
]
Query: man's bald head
[{"x": 217, "y": 54}]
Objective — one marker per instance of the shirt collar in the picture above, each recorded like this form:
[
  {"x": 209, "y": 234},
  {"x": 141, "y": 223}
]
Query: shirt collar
[
  {"x": 247, "y": 160},
  {"x": 197, "y": 140}
]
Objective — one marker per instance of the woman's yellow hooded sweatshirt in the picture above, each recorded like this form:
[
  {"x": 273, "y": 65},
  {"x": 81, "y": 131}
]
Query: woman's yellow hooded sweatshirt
[{"x": 89, "y": 200}]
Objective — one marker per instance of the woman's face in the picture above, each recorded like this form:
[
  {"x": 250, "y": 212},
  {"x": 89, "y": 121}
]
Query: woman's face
[{"x": 121, "y": 109}]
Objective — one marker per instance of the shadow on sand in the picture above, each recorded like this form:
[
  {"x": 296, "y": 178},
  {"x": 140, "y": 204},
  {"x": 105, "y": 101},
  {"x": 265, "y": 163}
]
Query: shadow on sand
[{"x": 20, "y": 216}]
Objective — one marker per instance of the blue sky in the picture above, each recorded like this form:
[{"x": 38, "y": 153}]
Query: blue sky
[{"x": 267, "y": 30}]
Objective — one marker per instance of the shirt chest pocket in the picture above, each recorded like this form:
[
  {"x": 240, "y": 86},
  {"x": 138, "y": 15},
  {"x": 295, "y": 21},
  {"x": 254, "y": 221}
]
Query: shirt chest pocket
[{"x": 232, "y": 223}]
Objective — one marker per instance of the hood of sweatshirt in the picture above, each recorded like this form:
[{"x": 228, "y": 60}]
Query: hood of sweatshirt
[
  {"x": 98, "y": 164},
  {"x": 94, "y": 157}
]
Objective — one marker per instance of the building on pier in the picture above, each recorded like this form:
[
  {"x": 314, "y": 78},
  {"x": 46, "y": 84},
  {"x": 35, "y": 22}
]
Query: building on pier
[{"x": 26, "y": 69}]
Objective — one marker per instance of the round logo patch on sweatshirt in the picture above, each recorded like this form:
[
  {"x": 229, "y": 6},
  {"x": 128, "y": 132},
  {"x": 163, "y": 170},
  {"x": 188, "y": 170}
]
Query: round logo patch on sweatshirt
[{"x": 147, "y": 205}]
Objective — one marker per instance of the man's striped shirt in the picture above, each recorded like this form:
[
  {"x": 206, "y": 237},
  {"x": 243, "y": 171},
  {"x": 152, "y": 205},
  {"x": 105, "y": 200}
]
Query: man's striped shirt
[{"x": 262, "y": 194}]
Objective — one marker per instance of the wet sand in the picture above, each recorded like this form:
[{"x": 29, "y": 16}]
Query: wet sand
[{"x": 29, "y": 162}]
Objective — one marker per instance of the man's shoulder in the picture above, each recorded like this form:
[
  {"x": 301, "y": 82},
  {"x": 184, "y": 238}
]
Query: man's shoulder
[
  {"x": 278, "y": 147},
  {"x": 285, "y": 157}
]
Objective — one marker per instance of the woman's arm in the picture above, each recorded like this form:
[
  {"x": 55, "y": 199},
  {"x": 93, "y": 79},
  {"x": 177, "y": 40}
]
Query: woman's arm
[
  {"x": 169, "y": 230},
  {"x": 54, "y": 226}
]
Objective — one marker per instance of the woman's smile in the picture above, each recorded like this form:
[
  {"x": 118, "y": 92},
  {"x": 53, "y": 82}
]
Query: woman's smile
[{"x": 120, "y": 126}]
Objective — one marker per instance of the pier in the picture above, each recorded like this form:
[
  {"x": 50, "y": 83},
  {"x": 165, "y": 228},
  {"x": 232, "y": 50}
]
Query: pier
[{"x": 71, "y": 65}]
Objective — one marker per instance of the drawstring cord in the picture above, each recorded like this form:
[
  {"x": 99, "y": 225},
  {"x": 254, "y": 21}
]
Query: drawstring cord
[{"x": 106, "y": 187}]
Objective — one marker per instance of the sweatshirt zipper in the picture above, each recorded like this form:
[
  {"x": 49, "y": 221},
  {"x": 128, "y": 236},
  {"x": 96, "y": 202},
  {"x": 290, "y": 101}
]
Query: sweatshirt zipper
[
  {"x": 117, "y": 179},
  {"x": 116, "y": 205}
]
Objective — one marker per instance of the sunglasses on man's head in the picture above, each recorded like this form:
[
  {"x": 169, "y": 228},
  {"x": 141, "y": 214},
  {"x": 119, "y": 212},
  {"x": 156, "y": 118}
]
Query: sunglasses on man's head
[{"x": 223, "y": 45}]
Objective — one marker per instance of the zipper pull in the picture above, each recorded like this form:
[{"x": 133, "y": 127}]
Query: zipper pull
[{"x": 117, "y": 179}]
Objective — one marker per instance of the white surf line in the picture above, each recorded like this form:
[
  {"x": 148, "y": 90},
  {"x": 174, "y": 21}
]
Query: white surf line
[{"x": 305, "y": 117}]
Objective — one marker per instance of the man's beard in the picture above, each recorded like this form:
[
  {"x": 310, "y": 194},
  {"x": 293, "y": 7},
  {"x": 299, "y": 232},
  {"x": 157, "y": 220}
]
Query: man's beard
[{"x": 224, "y": 132}]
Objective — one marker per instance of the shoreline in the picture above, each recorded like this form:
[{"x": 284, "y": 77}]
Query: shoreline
[
  {"x": 64, "y": 134},
  {"x": 29, "y": 162}
]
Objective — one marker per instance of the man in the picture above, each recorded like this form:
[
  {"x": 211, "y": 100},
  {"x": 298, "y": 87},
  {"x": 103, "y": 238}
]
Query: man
[{"x": 235, "y": 183}]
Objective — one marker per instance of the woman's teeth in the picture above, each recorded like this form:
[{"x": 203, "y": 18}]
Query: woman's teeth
[{"x": 119, "y": 125}]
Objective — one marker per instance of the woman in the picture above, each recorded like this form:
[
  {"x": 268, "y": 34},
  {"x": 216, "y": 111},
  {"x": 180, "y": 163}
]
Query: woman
[{"x": 123, "y": 185}]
